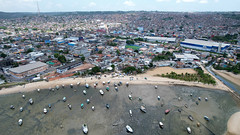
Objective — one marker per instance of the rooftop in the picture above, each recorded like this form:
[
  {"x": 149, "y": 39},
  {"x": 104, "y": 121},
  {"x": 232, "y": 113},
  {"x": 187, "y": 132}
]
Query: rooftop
[{"x": 27, "y": 67}]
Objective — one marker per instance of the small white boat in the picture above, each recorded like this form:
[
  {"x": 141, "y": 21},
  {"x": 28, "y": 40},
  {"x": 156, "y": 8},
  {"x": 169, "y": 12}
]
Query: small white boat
[
  {"x": 84, "y": 92},
  {"x": 130, "y": 112},
  {"x": 64, "y": 99},
  {"x": 206, "y": 99},
  {"x": 12, "y": 107},
  {"x": 116, "y": 88},
  {"x": 20, "y": 122},
  {"x": 71, "y": 85},
  {"x": 143, "y": 109},
  {"x": 160, "y": 124},
  {"x": 85, "y": 128},
  {"x": 31, "y": 101},
  {"x": 108, "y": 81},
  {"x": 101, "y": 92},
  {"x": 158, "y": 97},
  {"x": 45, "y": 110},
  {"x": 57, "y": 87},
  {"x": 88, "y": 101},
  {"x": 130, "y": 97},
  {"x": 189, "y": 130},
  {"x": 93, "y": 108},
  {"x": 21, "y": 109},
  {"x": 127, "y": 84},
  {"x": 156, "y": 87},
  {"x": 129, "y": 129},
  {"x": 103, "y": 83},
  {"x": 78, "y": 83},
  {"x": 94, "y": 85},
  {"x": 63, "y": 86},
  {"x": 23, "y": 96},
  {"x": 69, "y": 106},
  {"x": 199, "y": 98},
  {"x": 38, "y": 90},
  {"x": 87, "y": 86}
]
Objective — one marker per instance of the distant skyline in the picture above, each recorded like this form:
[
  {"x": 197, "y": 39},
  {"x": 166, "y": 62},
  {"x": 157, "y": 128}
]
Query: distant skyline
[{"x": 119, "y": 5}]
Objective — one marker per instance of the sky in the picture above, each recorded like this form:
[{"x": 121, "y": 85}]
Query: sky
[{"x": 118, "y": 5}]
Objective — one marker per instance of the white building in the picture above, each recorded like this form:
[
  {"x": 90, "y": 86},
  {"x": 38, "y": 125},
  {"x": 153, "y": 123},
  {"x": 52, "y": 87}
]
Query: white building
[
  {"x": 204, "y": 45},
  {"x": 160, "y": 39},
  {"x": 185, "y": 57}
]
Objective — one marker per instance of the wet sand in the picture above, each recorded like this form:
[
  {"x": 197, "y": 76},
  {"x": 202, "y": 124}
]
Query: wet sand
[{"x": 112, "y": 121}]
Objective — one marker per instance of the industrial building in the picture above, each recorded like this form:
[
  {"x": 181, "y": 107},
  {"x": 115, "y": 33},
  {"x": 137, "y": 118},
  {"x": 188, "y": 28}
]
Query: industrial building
[
  {"x": 160, "y": 39},
  {"x": 204, "y": 45},
  {"x": 28, "y": 70},
  {"x": 68, "y": 66}
]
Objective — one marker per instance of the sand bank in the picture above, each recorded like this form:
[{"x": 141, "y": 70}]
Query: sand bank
[{"x": 233, "y": 125}]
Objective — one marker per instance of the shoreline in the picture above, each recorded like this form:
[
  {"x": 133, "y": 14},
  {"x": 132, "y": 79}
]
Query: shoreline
[{"x": 139, "y": 79}]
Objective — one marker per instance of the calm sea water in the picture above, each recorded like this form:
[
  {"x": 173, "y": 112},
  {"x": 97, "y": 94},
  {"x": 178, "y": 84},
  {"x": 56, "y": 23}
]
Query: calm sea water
[{"x": 60, "y": 120}]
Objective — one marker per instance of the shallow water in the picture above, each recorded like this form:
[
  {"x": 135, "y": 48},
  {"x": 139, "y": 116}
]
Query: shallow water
[{"x": 220, "y": 106}]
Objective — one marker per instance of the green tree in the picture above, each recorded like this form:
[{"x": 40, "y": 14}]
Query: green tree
[
  {"x": 3, "y": 55},
  {"x": 100, "y": 52},
  {"x": 29, "y": 50},
  {"x": 56, "y": 55},
  {"x": 62, "y": 59},
  {"x": 118, "y": 52},
  {"x": 113, "y": 67},
  {"x": 130, "y": 42},
  {"x": 82, "y": 58}
]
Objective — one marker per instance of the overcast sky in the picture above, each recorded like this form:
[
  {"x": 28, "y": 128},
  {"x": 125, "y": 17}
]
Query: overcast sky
[{"x": 116, "y": 5}]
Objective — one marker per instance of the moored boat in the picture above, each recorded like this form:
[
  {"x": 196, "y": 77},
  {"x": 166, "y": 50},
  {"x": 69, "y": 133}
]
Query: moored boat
[
  {"x": 31, "y": 101},
  {"x": 21, "y": 109},
  {"x": 93, "y": 108},
  {"x": 88, "y": 101},
  {"x": 12, "y": 107},
  {"x": 190, "y": 117},
  {"x": 143, "y": 109},
  {"x": 20, "y": 122},
  {"x": 107, "y": 106},
  {"x": 71, "y": 85},
  {"x": 82, "y": 105},
  {"x": 38, "y": 90},
  {"x": 189, "y": 130},
  {"x": 101, "y": 92},
  {"x": 64, "y": 99},
  {"x": 206, "y": 99},
  {"x": 155, "y": 87},
  {"x": 45, "y": 110},
  {"x": 127, "y": 84},
  {"x": 130, "y": 97},
  {"x": 84, "y": 92},
  {"x": 23, "y": 96},
  {"x": 160, "y": 124},
  {"x": 107, "y": 88},
  {"x": 206, "y": 118},
  {"x": 87, "y": 86},
  {"x": 167, "y": 111},
  {"x": 49, "y": 106},
  {"x": 129, "y": 129},
  {"x": 158, "y": 97},
  {"x": 85, "y": 128},
  {"x": 130, "y": 112},
  {"x": 70, "y": 106}
]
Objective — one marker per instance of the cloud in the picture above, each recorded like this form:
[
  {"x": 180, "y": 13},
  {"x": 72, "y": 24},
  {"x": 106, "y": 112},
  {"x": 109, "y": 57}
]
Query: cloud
[
  {"x": 162, "y": 0},
  {"x": 203, "y": 1},
  {"x": 216, "y": 0},
  {"x": 129, "y": 3},
  {"x": 92, "y": 4}
]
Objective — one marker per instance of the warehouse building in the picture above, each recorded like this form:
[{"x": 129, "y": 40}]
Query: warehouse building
[
  {"x": 160, "y": 39},
  {"x": 204, "y": 45},
  {"x": 28, "y": 70}
]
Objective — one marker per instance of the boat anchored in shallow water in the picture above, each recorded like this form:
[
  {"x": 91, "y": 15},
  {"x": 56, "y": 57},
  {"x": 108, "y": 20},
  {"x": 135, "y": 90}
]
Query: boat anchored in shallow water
[
  {"x": 190, "y": 117},
  {"x": 167, "y": 111},
  {"x": 31, "y": 101},
  {"x": 84, "y": 92},
  {"x": 130, "y": 112},
  {"x": 129, "y": 129},
  {"x": 85, "y": 128},
  {"x": 160, "y": 124},
  {"x": 64, "y": 99},
  {"x": 21, "y": 109},
  {"x": 93, "y": 108},
  {"x": 101, "y": 92},
  {"x": 20, "y": 122},
  {"x": 70, "y": 106},
  {"x": 87, "y": 86},
  {"x": 189, "y": 130},
  {"x": 45, "y": 110},
  {"x": 143, "y": 109},
  {"x": 130, "y": 97}
]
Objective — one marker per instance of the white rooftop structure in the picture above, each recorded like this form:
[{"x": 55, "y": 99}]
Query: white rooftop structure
[
  {"x": 160, "y": 39},
  {"x": 27, "y": 67},
  {"x": 185, "y": 57}
]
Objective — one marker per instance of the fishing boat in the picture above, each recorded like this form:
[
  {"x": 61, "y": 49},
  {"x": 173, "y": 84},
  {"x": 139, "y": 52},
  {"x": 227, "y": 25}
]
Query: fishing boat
[
  {"x": 107, "y": 106},
  {"x": 31, "y": 101},
  {"x": 87, "y": 86},
  {"x": 127, "y": 84},
  {"x": 103, "y": 83},
  {"x": 129, "y": 129},
  {"x": 191, "y": 94},
  {"x": 143, "y": 109},
  {"x": 130, "y": 112},
  {"x": 116, "y": 88},
  {"x": 115, "y": 85},
  {"x": 160, "y": 124},
  {"x": 108, "y": 81},
  {"x": 130, "y": 97},
  {"x": 156, "y": 87},
  {"x": 84, "y": 92},
  {"x": 167, "y": 111},
  {"x": 20, "y": 122},
  {"x": 12, "y": 107},
  {"x": 206, "y": 118},
  {"x": 64, "y": 99},
  {"x": 206, "y": 99},
  {"x": 139, "y": 98},
  {"x": 85, "y": 128},
  {"x": 101, "y": 92},
  {"x": 186, "y": 105},
  {"x": 71, "y": 85},
  {"x": 49, "y": 106},
  {"x": 94, "y": 85},
  {"x": 23, "y": 96},
  {"x": 199, "y": 98},
  {"x": 189, "y": 130},
  {"x": 21, "y": 109},
  {"x": 45, "y": 110},
  {"x": 107, "y": 88},
  {"x": 38, "y": 90},
  {"x": 179, "y": 110},
  {"x": 57, "y": 87},
  {"x": 78, "y": 83},
  {"x": 93, "y": 108},
  {"x": 197, "y": 103},
  {"x": 63, "y": 86},
  {"x": 88, "y": 101},
  {"x": 158, "y": 97},
  {"x": 82, "y": 105},
  {"x": 70, "y": 106},
  {"x": 190, "y": 117}
]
